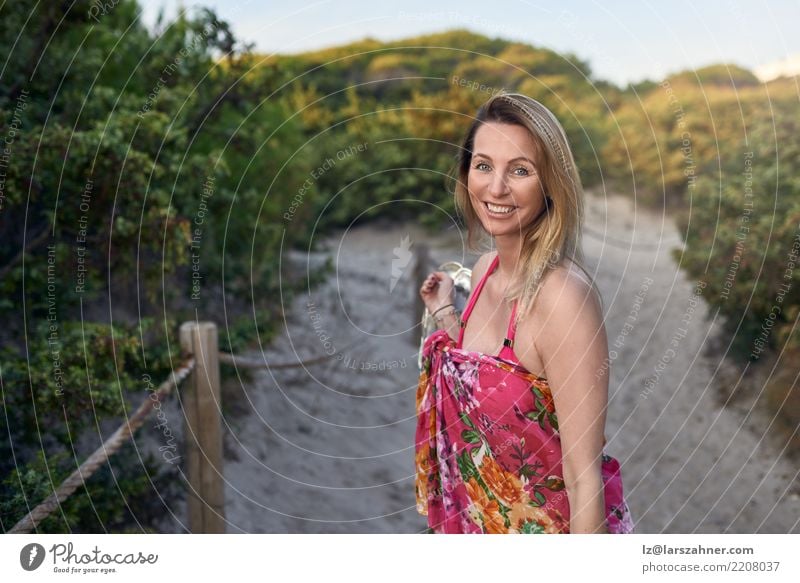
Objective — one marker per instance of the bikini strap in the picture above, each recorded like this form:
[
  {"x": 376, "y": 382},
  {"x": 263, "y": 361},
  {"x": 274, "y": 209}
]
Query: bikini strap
[
  {"x": 473, "y": 298},
  {"x": 511, "y": 332}
]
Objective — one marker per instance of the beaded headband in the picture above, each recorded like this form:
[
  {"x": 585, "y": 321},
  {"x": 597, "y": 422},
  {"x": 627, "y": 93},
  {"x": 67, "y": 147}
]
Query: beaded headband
[{"x": 541, "y": 125}]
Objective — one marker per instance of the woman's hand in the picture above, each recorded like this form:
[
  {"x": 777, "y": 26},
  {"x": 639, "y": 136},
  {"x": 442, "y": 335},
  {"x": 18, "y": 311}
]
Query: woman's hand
[{"x": 437, "y": 290}]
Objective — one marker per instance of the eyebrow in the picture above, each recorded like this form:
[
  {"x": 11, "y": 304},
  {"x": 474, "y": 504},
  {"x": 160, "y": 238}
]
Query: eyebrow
[{"x": 512, "y": 160}]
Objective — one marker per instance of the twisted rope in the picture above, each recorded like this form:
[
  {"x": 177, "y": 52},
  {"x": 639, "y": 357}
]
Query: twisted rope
[
  {"x": 245, "y": 362},
  {"x": 100, "y": 456},
  {"x": 102, "y": 453}
]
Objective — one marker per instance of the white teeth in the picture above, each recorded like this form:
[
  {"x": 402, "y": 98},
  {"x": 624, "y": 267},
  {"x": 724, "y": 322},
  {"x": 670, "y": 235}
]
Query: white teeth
[{"x": 499, "y": 209}]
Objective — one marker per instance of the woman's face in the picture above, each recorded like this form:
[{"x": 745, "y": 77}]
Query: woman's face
[{"x": 502, "y": 182}]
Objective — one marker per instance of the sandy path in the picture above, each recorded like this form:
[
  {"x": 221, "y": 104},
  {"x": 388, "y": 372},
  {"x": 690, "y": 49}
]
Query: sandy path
[{"x": 330, "y": 448}]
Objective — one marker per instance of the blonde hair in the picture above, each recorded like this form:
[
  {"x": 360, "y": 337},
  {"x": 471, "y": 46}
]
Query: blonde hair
[{"x": 556, "y": 233}]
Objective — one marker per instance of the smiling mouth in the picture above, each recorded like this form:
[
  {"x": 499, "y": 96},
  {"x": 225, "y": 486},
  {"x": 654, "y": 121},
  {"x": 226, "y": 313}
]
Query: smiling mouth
[{"x": 496, "y": 209}]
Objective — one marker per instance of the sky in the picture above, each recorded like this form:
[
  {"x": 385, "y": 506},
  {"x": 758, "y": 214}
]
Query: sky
[{"x": 624, "y": 42}]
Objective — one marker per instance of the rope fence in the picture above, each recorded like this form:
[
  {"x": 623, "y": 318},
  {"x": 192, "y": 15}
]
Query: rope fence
[
  {"x": 245, "y": 362},
  {"x": 202, "y": 421},
  {"x": 102, "y": 453}
]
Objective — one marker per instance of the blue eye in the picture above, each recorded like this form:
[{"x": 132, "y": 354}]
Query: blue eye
[{"x": 526, "y": 172}]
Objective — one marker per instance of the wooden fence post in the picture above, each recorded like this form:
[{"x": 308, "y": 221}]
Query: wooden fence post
[
  {"x": 203, "y": 429},
  {"x": 421, "y": 270}
]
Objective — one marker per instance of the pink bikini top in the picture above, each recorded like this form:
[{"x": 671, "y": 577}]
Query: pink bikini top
[{"x": 507, "y": 352}]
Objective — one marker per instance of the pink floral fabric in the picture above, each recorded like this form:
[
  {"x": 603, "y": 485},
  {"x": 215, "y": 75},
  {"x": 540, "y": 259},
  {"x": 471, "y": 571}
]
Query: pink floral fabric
[{"x": 488, "y": 452}]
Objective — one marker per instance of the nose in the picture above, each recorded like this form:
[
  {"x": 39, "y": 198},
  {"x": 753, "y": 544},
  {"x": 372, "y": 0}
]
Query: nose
[{"x": 498, "y": 186}]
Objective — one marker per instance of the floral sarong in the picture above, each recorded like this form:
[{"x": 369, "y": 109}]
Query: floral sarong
[{"x": 488, "y": 452}]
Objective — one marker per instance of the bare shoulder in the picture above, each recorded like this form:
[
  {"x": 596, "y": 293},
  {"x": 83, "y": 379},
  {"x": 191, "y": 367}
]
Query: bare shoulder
[
  {"x": 566, "y": 294},
  {"x": 565, "y": 326},
  {"x": 481, "y": 265},
  {"x": 572, "y": 314},
  {"x": 566, "y": 290}
]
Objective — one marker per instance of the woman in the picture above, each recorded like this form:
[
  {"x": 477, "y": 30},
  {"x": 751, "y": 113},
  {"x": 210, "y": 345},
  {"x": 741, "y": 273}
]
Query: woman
[{"x": 513, "y": 443}]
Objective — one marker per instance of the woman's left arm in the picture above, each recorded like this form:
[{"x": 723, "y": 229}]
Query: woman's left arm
[{"x": 574, "y": 350}]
